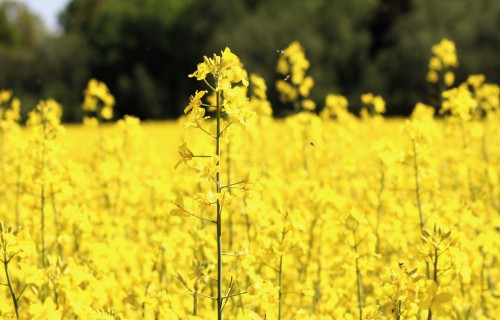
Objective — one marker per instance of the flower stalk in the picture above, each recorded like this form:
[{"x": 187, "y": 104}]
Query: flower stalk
[{"x": 219, "y": 209}]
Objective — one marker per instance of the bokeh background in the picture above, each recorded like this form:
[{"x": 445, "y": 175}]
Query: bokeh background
[{"x": 145, "y": 49}]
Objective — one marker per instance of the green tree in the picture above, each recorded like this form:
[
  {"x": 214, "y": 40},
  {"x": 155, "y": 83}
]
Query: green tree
[
  {"x": 335, "y": 35},
  {"x": 140, "y": 50},
  {"x": 19, "y": 27},
  {"x": 21, "y": 31},
  {"x": 64, "y": 72},
  {"x": 399, "y": 69}
]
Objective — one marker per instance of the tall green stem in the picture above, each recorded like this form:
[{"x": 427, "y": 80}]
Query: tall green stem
[
  {"x": 42, "y": 204},
  {"x": 417, "y": 187},
  {"x": 42, "y": 199},
  {"x": 419, "y": 205},
  {"x": 280, "y": 270},
  {"x": 9, "y": 282},
  {"x": 280, "y": 280},
  {"x": 219, "y": 211}
]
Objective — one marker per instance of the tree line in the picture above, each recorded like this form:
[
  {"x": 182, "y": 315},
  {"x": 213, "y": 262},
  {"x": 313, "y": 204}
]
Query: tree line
[{"x": 144, "y": 49}]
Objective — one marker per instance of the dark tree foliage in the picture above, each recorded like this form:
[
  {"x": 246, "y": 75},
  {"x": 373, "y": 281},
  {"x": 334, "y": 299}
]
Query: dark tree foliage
[
  {"x": 137, "y": 49},
  {"x": 398, "y": 71},
  {"x": 144, "y": 49}
]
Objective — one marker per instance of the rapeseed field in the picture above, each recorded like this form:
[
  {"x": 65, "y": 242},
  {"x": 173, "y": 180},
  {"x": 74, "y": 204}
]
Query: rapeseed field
[{"x": 230, "y": 213}]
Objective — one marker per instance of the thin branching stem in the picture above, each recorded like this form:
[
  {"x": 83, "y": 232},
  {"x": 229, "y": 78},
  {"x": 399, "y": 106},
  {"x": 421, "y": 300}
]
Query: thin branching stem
[
  {"x": 209, "y": 85},
  {"x": 204, "y": 130},
  {"x": 222, "y": 131},
  {"x": 232, "y": 184},
  {"x": 204, "y": 219}
]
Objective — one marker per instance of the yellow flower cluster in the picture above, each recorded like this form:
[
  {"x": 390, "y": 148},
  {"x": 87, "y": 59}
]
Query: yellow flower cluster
[
  {"x": 295, "y": 86},
  {"x": 372, "y": 105},
  {"x": 98, "y": 100},
  {"x": 325, "y": 216},
  {"x": 443, "y": 60}
]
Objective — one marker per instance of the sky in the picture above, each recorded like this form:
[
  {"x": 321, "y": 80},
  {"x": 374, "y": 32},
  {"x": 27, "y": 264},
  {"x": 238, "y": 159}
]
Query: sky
[{"x": 47, "y": 9}]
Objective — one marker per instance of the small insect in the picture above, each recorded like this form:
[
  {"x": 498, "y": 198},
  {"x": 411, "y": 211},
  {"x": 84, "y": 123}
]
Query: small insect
[
  {"x": 287, "y": 78},
  {"x": 281, "y": 52},
  {"x": 401, "y": 264},
  {"x": 312, "y": 143}
]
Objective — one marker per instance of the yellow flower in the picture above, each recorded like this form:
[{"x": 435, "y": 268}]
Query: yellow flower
[
  {"x": 432, "y": 76},
  {"x": 283, "y": 67},
  {"x": 437, "y": 300},
  {"x": 91, "y": 122},
  {"x": 32, "y": 274},
  {"x": 446, "y": 52},
  {"x": 476, "y": 80},
  {"x": 308, "y": 104},
  {"x": 375, "y": 104},
  {"x": 107, "y": 112},
  {"x": 459, "y": 102},
  {"x": 435, "y": 64},
  {"x": 229, "y": 59},
  {"x": 202, "y": 70},
  {"x": 367, "y": 98},
  {"x": 335, "y": 106},
  {"x": 258, "y": 288},
  {"x": 5, "y": 96},
  {"x": 236, "y": 105},
  {"x": 422, "y": 112},
  {"x": 233, "y": 68},
  {"x": 195, "y": 101},
  {"x": 449, "y": 78},
  {"x": 211, "y": 168},
  {"x": 89, "y": 103},
  {"x": 42, "y": 311},
  {"x": 379, "y": 104},
  {"x": 180, "y": 210},
  {"x": 287, "y": 92},
  {"x": 251, "y": 178},
  {"x": 96, "y": 92},
  {"x": 185, "y": 154},
  {"x": 259, "y": 86},
  {"x": 14, "y": 113},
  {"x": 195, "y": 118},
  {"x": 305, "y": 86}
]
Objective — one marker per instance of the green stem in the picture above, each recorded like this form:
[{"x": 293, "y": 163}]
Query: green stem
[
  {"x": 280, "y": 270},
  {"x": 280, "y": 283},
  {"x": 419, "y": 199},
  {"x": 42, "y": 204},
  {"x": 358, "y": 279},
  {"x": 9, "y": 282},
  {"x": 317, "y": 283},
  {"x": 435, "y": 277},
  {"x": 398, "y": 311},
  {"x": 228, "y": 172},
  {"x": 417, "y": 186},
  {"x": 219, "y": 212},
  {"x": 436, "y": 257},
  {"x": 42, "y": 200},
  {"x": 56, "y": 219},
  {"x": 195, "y": 303}
]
